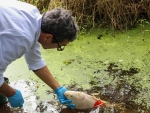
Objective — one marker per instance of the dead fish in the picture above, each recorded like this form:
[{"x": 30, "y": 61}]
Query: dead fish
[{"x": 83, "y": 100}]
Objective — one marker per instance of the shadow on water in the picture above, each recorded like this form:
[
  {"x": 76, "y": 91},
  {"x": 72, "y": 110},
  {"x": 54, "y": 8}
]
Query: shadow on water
[{"x": 119, "y": 93}]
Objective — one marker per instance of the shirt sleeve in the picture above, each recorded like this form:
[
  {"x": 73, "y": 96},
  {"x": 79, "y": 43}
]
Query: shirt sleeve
[
  {"x": 2, "y": 67},
  {"x": 1, "y": 77},
  {"x": 34, "y": 59}
]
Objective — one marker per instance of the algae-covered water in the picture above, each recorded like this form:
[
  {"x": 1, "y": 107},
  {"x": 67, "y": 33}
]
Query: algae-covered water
[{"x": 116, "y": 66}]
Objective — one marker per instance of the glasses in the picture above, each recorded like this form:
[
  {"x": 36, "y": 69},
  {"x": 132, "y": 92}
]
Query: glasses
[{"x": 59, "y": 48}]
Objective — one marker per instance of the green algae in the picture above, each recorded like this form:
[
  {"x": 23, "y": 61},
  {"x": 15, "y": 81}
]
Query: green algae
[{"x": 85, "y": 60}]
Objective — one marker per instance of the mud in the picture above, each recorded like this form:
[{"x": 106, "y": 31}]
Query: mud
[{"x": 5, "y": 108}]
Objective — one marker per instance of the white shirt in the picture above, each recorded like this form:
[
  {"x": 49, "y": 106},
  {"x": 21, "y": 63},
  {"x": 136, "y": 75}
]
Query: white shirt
[{"x": 20, "y": 27}]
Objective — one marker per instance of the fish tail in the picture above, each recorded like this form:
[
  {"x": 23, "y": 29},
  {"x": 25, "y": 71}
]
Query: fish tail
[{"x": 99, "y": 103}]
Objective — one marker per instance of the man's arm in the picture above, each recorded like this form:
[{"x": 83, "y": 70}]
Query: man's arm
[
  {"x": 45, "y": 75},
  {"x": 14, "y": 96},
  {"x": 6, "y": 90}
]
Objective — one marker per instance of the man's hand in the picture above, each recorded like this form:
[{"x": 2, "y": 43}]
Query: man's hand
[
  {"x": 63, "y": 100},
  {"x": 16, "y": 100}
]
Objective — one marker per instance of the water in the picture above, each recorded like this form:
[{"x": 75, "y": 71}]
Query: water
[{"x": 116, "y": 69}]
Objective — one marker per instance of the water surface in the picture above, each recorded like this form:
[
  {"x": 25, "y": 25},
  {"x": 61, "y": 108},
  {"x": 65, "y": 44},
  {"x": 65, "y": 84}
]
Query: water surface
[{"x": 115, "y": 67}]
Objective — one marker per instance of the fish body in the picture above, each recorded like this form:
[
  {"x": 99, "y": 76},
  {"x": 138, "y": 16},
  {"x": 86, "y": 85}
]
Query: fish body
[{"x": 83, "y": 100}]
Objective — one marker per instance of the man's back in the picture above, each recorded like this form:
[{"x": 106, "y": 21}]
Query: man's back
[
  {"x": 19, "y": 30},
  {"x": 19, "y": 16}
]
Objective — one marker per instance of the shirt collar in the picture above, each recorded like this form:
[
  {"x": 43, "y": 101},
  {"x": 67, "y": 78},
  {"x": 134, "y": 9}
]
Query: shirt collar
[{"x": 38, "y": 32}]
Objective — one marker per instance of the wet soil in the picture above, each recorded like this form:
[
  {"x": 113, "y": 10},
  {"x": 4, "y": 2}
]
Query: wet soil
[{"x": 5, "y": 108}]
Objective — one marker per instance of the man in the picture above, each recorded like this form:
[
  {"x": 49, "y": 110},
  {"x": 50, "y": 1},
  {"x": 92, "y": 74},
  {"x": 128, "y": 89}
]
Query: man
[{"x": 22, "y": 30}]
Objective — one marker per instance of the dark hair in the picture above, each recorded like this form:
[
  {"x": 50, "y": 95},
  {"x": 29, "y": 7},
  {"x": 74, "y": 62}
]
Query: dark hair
[{"x": 60, "y": 23}]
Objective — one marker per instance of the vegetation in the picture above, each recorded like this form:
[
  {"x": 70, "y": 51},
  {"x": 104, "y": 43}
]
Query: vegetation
[{"x": 112, "y": 14}]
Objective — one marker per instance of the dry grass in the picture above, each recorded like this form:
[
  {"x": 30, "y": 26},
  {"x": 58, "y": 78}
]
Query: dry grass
[{"x": 115, "y": 14}]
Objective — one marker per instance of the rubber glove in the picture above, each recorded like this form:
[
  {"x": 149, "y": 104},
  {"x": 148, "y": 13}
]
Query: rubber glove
[
  {"x": 63, "y": 100},
  {"x": 16, "y": 100}
]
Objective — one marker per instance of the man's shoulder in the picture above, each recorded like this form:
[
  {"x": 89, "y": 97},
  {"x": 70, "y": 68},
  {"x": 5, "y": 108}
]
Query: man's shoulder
[
  {"x": 16, "y": 4},
  {"x": 18, "y": 9}
]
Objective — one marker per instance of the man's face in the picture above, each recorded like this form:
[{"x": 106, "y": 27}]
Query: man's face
[
  {"x": 50, "y": 45},
  {"x": 46, "y": 41}
]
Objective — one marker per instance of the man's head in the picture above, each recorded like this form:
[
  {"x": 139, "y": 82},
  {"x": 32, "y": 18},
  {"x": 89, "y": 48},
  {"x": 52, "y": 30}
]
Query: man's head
[{"x": 58, "y": 28}]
